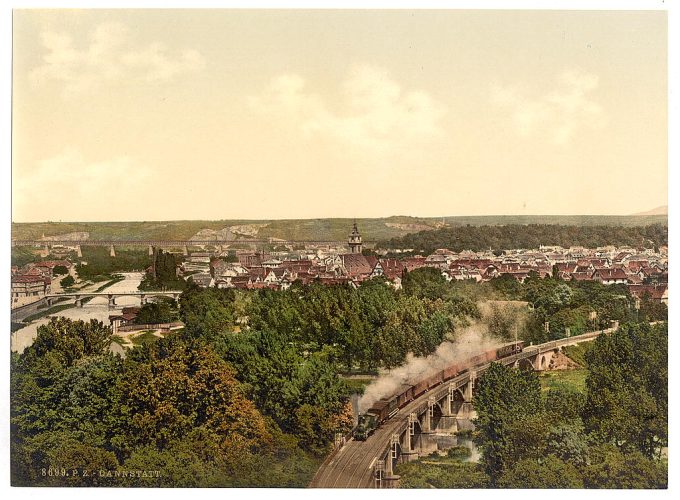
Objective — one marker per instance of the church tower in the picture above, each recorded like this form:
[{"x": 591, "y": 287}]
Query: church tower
[{"x": 354, "y": 240}]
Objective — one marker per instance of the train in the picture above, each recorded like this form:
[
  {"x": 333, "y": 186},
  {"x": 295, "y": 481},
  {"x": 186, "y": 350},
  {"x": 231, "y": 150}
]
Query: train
[{"x": 386, "y": 407}]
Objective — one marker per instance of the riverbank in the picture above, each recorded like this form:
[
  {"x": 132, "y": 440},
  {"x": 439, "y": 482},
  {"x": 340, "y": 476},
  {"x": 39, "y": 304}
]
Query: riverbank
[{"x": 97, "y": 309}]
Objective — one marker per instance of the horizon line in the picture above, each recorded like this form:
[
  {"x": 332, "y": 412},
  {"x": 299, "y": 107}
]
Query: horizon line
[{"x": 331, "y": 218}]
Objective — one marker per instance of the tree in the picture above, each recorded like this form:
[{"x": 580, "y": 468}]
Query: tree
[
  {"x": 67, "y": 281},
  {"x": 59, "y": 270},
  {"x": 627, "y": 399},
  {"x": 564, "y": 406},
  {"x": 456, "y": 475},
  {"x": 173, "y": 387},
  {"x": 425, "y": 282},
  {"x": 504, "y": 397},
  {"x": 164, "y": 310},
  {"x": 69, "y": 340},
  {"x": 569, "y": 443},
  {"x": 550, "y": 472},
  {"x": 612, "y": 469},
  {"x": 207, "y": 313}
]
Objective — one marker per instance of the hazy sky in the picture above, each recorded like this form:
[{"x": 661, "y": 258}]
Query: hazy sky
[{"x": 151, "y": 115}]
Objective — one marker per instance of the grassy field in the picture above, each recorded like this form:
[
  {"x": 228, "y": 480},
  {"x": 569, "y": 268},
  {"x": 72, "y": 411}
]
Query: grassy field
[
  {"x": 307, "y": 229},
  {"x": 577, "y": 352},
  {"x": 147, "y": 337},
  {"x": 566, "y": 379}
]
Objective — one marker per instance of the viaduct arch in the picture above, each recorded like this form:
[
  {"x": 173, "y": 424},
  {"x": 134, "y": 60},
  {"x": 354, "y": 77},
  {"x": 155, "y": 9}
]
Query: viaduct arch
[{"x": 445, "y": 408}]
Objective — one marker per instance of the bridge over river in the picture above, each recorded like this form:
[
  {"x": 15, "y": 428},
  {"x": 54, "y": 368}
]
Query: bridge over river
[
  {"x": 80, "y": 296},
  {"x": 79, "y": 299},
  {"x": 409, "y": 434}
]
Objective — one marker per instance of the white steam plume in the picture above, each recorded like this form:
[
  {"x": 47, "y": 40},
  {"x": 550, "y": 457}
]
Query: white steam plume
[{"x": 470, "y": 341}]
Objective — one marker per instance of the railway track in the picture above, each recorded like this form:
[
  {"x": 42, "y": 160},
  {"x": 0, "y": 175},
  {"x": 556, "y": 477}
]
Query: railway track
[{"x": 351, "y": 466}]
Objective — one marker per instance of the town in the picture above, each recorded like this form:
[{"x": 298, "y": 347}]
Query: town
[{"x": 642, "y": 271}]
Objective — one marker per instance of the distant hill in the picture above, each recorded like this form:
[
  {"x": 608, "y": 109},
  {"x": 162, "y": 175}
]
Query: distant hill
[
  {"x": 308, "y": 229},
  {"x": 662, "y": 210},
  {"x": 291, "y": 229}
]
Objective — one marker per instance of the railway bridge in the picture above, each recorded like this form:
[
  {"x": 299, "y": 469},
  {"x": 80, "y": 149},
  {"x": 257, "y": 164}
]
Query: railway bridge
[
  {"x": 79, "y": 297},
  {"x": 409, "y": 434}
]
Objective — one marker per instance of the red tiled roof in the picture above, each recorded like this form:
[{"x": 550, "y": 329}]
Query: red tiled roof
[
  {"x": 356, "y": 264},
  {"x": 25, "y": 278},
  {"x": 53, "y": 263},
  {"x": 610, "y": 274},
  {"x": 655, "y": 292}
]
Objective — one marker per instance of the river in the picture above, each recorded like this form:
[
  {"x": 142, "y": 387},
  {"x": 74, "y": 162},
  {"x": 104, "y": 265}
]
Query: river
[{"x": 97, "y": 308}]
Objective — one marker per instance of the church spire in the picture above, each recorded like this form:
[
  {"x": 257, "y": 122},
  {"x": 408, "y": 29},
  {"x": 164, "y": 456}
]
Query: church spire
[{"x": 354, "y": 240}]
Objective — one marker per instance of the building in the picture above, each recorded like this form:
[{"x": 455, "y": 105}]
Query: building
[
  {"x": 354, "y": 240},
  {"x": 30, "y": 286},
  {"x": 126, "y": 317},
  {"x": 658, "y": 293}
]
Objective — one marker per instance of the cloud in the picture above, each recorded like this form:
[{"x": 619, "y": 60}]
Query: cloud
[
  {"x": 72, "y": 185},
  {"x": 559, "y": 113},
  {"x": 109, "y": 56},
  {"x": 373, "y": 113}
]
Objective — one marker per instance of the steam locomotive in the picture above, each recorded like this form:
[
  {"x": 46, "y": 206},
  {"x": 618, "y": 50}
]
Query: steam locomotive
[{"x": 387, "y": 407}]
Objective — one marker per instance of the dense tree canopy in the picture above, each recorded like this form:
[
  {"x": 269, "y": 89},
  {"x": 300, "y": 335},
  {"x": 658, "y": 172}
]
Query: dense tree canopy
[
  {"x": 163, "y": 310},
  {"x": 174, "y": 406},
  {"x": 627, "y": 402},
  {"x": 507, "y": 400},
  {"x": 97, "y": 265},
  {"x": 509, "y": 236},
  {"x": 610, "y": 437}
]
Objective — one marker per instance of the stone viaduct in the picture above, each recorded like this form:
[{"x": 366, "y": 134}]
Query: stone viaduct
[{"x": 445, "y": 408}]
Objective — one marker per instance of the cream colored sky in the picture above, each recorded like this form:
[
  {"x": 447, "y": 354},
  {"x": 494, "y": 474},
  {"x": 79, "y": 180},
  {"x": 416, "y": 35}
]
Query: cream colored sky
[{"x": 152, "y": 115}]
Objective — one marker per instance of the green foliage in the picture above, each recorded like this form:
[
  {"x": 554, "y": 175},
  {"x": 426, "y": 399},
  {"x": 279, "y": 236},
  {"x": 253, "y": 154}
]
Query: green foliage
[
  {"x": 16, "y": 326},
  {"x": 652, "y": 310},
  {"x": 21, "y": 256},
  {"x": 147, "y": 337},
  {"x": 172, "y": 406},
  {"x": 207, "y": 313},
  {"x": 612, "y": 469},
  {"x": 163, "y": 275},
  {"x": 578, "y": 352},
  {"x": 478, "y": 238},
  {"x": 568, "y": 305},
  {"x": 569, "y": 443},
  {"x": 100, "y": 263},
  {"x": 570, "y": 380},
  {"x": 69, "y": 340},
  {"x": 67, "y": 282},
  {"x": 369, "y": 327},
  {"x": 425, "y": 474},
  {"x": 59, "y": 270},
  {"x": 163, "y": 310},
  {"x": 627, "y": 402},
  {"x": 305, "y": 397},
  {"x": 426, "y": 282},
  {"x": 550, "y": 472},
  {"x": 459, "y": 452},
  {"x": 564, "y": 405},
  {"x": 508, "y": 402}
]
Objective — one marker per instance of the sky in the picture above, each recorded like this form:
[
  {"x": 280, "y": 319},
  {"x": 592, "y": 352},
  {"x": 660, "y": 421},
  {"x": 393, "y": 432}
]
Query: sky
[{"x": 218, "y": 114}]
